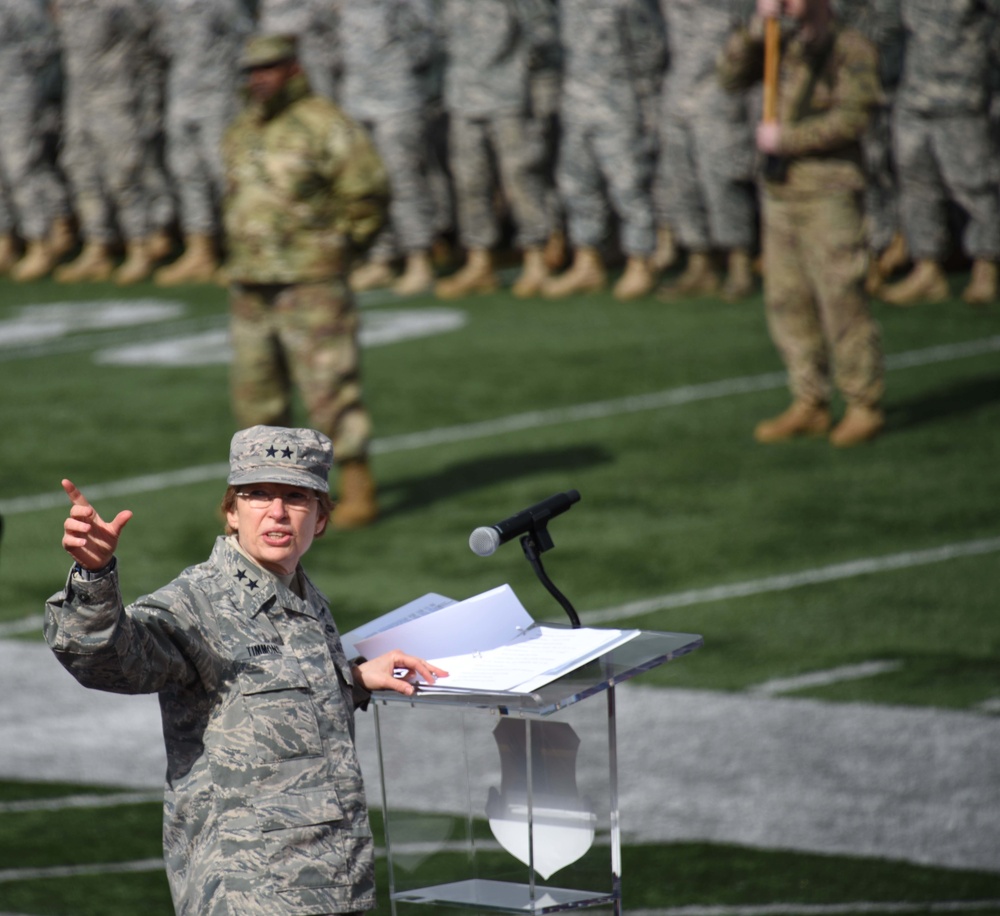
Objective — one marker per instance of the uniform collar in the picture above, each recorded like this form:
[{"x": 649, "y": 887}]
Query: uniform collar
[{"x": 256, "y": 589}]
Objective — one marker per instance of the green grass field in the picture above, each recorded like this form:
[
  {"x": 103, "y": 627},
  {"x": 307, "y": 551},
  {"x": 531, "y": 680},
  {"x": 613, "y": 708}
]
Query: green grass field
[{"x": 647, "y": 409}]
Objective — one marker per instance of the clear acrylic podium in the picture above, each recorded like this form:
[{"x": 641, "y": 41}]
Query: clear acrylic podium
[{"x": 520, "y": 814}]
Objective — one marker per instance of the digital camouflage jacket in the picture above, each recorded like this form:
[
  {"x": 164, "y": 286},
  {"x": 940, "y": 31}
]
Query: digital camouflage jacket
[{"x": 265, "y": 809}]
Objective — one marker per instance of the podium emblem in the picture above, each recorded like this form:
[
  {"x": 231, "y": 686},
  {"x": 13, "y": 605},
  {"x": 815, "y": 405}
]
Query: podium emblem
[{"x": 543, "y": 823}]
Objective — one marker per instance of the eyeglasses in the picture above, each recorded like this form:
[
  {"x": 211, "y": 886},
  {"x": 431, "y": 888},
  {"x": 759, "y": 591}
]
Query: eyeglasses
[{"x": 298, "y": 500}]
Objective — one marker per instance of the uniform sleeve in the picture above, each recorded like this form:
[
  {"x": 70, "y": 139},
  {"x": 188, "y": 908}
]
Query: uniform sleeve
[
  {"x": 741, "y": 61},
  {"x": 107, "y": 646},
  {"x": 362, "y": 187},
  {"x": 856, "y": 92}
]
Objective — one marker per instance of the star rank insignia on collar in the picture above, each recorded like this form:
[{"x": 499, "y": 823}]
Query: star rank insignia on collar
[{"x": 251, "y": 584}]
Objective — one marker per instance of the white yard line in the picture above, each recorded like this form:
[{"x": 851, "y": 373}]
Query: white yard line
[
  {"x": 862, "y": 567},
  {"x": 466, "y": 432},
  {"x": 824, "y": 909},
  {"x": 839, "y": 675}
]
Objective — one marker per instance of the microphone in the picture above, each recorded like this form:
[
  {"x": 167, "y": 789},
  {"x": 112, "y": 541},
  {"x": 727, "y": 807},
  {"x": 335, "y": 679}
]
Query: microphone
[{"x": 484, "y": 541}]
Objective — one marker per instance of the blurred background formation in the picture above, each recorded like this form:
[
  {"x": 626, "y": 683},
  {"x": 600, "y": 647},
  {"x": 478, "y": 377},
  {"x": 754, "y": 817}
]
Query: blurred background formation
[{"x": 564, "y": 138}]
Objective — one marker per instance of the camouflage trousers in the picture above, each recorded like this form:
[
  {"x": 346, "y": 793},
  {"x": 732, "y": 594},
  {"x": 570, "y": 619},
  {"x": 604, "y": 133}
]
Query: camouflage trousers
[
  {"x": 602, "y": 161},
  {"x": 881, "y": 187},
  {"x": 299, "y": 336},
  {"x": 945, "y": 158},
  {"x": 815, "y": 261},
  {"x": 36, "y": 191},
  {"x": 703, "y": 179},
  {"x": 195, "y": 126},
  {"x": 402, "y": 145},
  {"x": 106, "y": 156},
  {"x": 508, "y": 143}
]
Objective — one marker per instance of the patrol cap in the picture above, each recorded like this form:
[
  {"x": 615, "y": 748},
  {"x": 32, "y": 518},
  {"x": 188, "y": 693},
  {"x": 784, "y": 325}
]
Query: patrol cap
[
  {"x": 267, "y": 50},
  {"x": 277, "y": 454}
]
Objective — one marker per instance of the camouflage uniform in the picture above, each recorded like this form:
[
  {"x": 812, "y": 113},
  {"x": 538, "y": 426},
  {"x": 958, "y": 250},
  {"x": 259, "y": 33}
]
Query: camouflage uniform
[
  {"x": 28, "y": 56},
  {"x": 614, "y": 52},
  {"x": 204, "y": 39},
  {"x": 814, "y": 249},
  {"x": 264, "y": 808},
  {"x": 881, "y": 24},
  {"x": 105, "y": 153},
  {"x": 317, "y": 24},
  {"x": 706, "y": 144},
  {"x": 391, "y": 43},
  {"x": 941, "y": 129},
  {"x": 303, "y": 185},
  {"x": 486, "y": 93}
]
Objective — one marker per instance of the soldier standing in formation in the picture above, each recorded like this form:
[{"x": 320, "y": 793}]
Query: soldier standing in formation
[
  {"x": 106, "y": 46},
  {"x": 383, "y": 88},
  {"x": 305, "y": 188},
  {"x": 815, "y": 257},
  {"x": 264, "y": 803},
  {"x": 614, "y": 55},
  {"x": 706, "y": 158},
  {"x": 37, "y": 202},
  {"x": 943, "y": 147},
  {"x": 487, "y": 95},
  {"x": 204, "y": 39}
]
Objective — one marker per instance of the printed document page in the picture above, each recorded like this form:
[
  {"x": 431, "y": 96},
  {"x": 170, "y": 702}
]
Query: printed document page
[{"x": 487, "y": 643}]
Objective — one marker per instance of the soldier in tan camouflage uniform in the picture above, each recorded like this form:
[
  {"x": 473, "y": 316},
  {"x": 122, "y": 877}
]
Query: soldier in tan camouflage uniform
[
  {"x": 814, "y": 244},
  {"x": 304, "y": 187},
  {"x": 264, "y": 808}
]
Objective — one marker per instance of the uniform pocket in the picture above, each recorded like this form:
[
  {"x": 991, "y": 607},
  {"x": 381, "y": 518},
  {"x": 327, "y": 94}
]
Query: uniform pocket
[
  {"x": 278, "y": 700},
  {"x": 308, "y": 842}
]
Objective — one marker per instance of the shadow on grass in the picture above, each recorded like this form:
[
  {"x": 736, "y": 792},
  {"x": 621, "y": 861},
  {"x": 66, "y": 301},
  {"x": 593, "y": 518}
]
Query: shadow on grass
[
  {"x": 413, "y": 493},
  {"x": 960, "y": 398}
]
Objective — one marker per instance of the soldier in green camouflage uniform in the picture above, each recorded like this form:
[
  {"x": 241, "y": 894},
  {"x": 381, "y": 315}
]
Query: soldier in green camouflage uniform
[
  {"x": 264, "y": 809},
  {"x": 814, "y": 245},
  {"x": 305, "y": 188}
]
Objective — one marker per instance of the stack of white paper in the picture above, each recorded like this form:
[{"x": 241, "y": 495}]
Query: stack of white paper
[{"x": 486, "y": 643}]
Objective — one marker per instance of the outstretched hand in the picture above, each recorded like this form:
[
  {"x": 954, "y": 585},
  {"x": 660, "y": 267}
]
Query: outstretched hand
[
  {"x": 378, "y": 673},
  {"x": 87, "y": 538}
]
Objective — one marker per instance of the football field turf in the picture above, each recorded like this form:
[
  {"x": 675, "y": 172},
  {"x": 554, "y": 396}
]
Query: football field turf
[{"x": 865, "y": 577}]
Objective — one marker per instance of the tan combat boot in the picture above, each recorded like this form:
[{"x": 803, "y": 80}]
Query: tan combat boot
[
  {"x": 982, "y": 288},
  {"x": 586, "y": 275},
  {"x": 803, "y": 418},
  {"x": 159, "y": 245},
  {"x": 93, "y": 263},
  {"x": 198, "y": 264},
  {"x": 371, "y": 275},
  {"x": 62, "y": 237},
  {"x": 860, "y": 424},
  {"x": 638, "y": 280},
  {"x": 357, "y": 505},
  {"x": 138, "y": 263},
  {"x": 8, "y": 252},
  {"x": 477, "y": 276},
  {"x": 699, "y": 278},
  {"x": 533, "y": 275},
  {"x": 418, "y": 277},
  {"x": 555, "y": 250},
  {"x": 37, "y": 262},
  {"x": 894, "y": 257},
  {"x": 739, "y": 276},
  {"x": 665, "y": 254},
  {"x": 925, "y": 283}
]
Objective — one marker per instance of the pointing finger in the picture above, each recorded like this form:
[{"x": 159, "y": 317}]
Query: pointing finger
[{"x": 75, "y": 496}]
